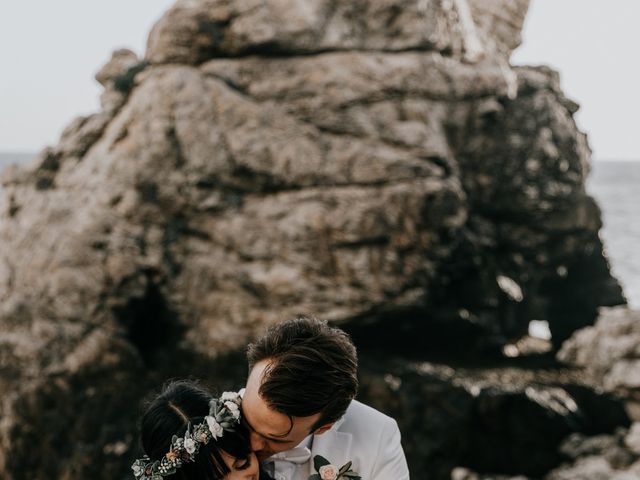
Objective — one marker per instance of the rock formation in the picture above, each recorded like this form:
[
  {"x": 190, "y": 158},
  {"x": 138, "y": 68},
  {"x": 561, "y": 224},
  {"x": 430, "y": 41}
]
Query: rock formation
[
  {"x": 601, "y": 457},
  {"x": 609, "y": 350},
  {"x": 507, "y": 419},
  {"x": 375, "y": 163},
  {"x": 606, "y": 355}
]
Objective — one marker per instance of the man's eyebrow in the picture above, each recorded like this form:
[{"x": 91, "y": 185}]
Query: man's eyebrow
[{"x": 277, "y": 438}]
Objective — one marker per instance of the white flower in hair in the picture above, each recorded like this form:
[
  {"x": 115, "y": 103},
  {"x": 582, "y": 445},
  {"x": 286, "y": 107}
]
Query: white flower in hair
[
  {"x": 229, "y": 396},
  {"x": 214, "y": 427},
  {"x": 233, "y": 408},
  {"x": 189, "y": 445},
  {"x": 137, "y": 470}
]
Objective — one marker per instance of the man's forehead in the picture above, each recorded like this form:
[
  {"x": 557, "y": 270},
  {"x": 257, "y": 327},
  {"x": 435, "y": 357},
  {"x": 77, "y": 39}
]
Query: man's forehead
[{"x": 257, "y": 371}]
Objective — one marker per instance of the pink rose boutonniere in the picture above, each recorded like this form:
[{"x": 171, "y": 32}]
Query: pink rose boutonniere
[{"x": 327, "y": 471}]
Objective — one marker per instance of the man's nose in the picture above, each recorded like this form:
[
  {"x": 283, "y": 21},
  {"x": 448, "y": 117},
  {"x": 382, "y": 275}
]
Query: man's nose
[{"x": 257, "y": 442}]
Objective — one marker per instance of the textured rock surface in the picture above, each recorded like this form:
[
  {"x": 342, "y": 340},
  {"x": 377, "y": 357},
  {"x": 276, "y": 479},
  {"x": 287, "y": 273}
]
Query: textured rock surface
[
  {"x": 375, "y": 163},
  {"x": 609, "y": 350},
  {"x": 529, "y": 203},
  {"x": 606, "y": 356},
  {"x": 508, "y": 420},
  {"x": 193, "y": 31},
  {"x": 462, "y": 473},
  {"x": 601, "y": 457},
  {"x": 499, "y": 23}
]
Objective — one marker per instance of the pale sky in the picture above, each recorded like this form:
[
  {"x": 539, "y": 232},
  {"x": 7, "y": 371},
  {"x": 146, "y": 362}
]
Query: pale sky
[
  {"x": 594, "y": 44},
  {"x": 50, "y": 51}
]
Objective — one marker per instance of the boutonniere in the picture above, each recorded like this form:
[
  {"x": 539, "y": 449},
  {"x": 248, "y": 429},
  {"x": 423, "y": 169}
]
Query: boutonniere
[{"x": 327, "y": 471}]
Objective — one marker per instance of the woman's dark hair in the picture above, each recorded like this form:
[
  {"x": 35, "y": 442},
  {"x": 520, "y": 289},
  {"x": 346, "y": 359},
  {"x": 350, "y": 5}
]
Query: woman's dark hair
[
  {"x": 314, "y": 369},
  {"x": 179, "y": 404}
]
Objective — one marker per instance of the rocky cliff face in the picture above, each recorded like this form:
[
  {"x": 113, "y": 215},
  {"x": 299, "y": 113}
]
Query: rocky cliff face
[{"x": 376, "y": 163}]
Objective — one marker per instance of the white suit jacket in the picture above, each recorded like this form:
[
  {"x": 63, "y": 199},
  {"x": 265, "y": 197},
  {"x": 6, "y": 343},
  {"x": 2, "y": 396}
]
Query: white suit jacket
[{"x": 368, "y": 438}]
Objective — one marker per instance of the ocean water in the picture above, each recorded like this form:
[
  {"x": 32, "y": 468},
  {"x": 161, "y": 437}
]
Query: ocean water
[
  {"x": 616, "y": 186},
  {"x": 7, "y": 158}
]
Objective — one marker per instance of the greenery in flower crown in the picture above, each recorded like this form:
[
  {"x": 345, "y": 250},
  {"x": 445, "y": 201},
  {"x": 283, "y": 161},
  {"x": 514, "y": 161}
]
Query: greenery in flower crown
[{"x": 224, "y": 414}]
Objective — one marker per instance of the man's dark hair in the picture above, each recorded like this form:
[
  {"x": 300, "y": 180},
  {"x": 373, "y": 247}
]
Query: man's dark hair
[{"x": 313, "y": 369}]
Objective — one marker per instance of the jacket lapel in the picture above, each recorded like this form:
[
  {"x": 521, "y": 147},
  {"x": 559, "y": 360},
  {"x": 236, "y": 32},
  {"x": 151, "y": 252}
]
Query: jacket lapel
[{"x": 333, "y": 445}]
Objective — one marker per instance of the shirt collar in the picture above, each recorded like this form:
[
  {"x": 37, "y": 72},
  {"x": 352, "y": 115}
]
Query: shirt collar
[{"x": 306, "y": 442}]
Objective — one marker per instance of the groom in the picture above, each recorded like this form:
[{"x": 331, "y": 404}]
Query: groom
[{"x": 299, "y": 403}]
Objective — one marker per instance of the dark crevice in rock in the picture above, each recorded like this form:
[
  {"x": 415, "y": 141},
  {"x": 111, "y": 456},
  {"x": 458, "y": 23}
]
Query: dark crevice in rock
[
  {"x": 231, "y": 84},
  {"x": 178, "y": 151},
  {"x": 174, "y": 230},
  {"x": 123, "y": 134},
  {"x": 574, "y": 298},
  {"x": 150, "y": 325},
  {"x": 148, "y": 191},
  {"x": 375, "y": 241},
  {"x": 44, "y": 183},
  {"x": 248, "y": 180},
  {"x": 214, "y": 31},
  {"x": 423, "y": 333},
  {"x": 443, "y": 163},
  {"x": 265, "y": 184},
  {"x": 46, "y": 167},
  {"x": 124, "y": 83},
  {"x": 275, "y": 50},
  {"x": 230, "y": 196}
]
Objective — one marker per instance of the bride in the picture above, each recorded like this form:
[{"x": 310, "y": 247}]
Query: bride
[{"x": 186, "y": 434}]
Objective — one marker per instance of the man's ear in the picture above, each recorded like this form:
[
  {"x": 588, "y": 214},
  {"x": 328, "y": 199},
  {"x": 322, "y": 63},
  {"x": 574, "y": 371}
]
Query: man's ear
[{"x": 322, "y": 429}]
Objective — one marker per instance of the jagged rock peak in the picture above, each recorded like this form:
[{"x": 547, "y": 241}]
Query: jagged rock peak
[{"x": 193, "y": 31}]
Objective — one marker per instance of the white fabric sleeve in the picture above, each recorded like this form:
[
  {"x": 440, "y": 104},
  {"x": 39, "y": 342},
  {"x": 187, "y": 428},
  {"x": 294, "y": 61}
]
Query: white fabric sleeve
[{"x": 390, "y": 461}]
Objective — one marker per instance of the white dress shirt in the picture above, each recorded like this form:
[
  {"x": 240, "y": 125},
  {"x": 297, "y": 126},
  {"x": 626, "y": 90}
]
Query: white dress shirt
[{"x": 282, "y": 469}]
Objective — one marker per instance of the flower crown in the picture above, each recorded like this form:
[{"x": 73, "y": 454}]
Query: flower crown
[{"x": 224, "y": 414}]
